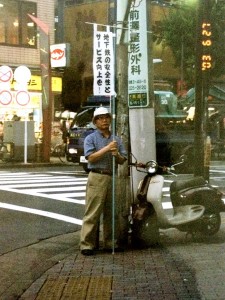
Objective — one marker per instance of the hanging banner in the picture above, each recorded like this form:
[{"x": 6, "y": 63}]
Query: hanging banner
[
  {"x": 138, "y": 58},
  {"x": 103, "y": 63}
]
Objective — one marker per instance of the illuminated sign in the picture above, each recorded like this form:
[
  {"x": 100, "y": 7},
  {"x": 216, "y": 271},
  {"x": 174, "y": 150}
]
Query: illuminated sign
[
  {"x": 206, "y": 43},
  {"x": 34, "y": 84},
  {"x": 59, "y": 55}
]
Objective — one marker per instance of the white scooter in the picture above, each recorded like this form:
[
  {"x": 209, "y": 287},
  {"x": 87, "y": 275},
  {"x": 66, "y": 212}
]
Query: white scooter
[{"x": 196, "y": 206}]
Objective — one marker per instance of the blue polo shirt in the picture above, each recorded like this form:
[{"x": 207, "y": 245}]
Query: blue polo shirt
[{"x": 96, "y": 141}]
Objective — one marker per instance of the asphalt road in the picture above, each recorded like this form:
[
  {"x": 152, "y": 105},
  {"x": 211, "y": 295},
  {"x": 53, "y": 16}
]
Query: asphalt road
[{"x": 34, "y": 205}]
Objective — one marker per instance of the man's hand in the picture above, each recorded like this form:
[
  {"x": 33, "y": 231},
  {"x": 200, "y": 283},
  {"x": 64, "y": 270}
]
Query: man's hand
[{"x": 112, "y": 147}]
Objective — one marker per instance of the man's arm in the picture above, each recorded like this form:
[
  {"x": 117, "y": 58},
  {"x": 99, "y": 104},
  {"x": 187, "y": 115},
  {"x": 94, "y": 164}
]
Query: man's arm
[{"x": 95, "y": 156}]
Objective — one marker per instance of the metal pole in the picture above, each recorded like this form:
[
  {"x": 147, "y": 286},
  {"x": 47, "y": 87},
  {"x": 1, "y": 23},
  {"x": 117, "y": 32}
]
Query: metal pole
[
  {"x": 199, "y": 101},
  {"x": 113, "y": 179},
  {"x": 25, "y": 141},
  {"x": 112, "y": 20}
]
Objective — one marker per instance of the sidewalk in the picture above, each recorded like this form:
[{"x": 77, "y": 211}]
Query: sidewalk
[
  {"x": 173, "y": 270},
  {"x": 54, "y": 161},
  {"x": 142, "y": 274}
]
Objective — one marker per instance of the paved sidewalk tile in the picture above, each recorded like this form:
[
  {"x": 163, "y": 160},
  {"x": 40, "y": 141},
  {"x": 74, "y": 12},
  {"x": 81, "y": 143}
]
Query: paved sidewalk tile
[{"x": 141, "y": 274}]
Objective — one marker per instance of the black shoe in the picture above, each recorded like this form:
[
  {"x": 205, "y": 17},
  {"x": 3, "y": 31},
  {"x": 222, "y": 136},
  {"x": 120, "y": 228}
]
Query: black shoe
[{"x": 87, "y": 252}]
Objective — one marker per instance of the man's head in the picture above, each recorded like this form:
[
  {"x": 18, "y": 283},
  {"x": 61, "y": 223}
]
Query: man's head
[{"x": 101, "y": 113}]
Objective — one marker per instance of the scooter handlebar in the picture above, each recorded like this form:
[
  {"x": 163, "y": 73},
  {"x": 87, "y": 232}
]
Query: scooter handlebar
[
  {"x": 137, "y": 165},
  {"x": 140, "y": 165}
]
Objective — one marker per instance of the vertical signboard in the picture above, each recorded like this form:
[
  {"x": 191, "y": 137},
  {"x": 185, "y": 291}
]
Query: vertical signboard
[
  {"x": 203, "y": 67},
  {"x": 141, "y": 111},
  {"x": 103, "y": 63},
  {"x": 138, "y": 56}
]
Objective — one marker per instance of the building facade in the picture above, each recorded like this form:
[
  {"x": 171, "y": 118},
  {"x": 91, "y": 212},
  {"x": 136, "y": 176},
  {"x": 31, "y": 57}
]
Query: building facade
[
  {"x": 79, "y": 17},
  {"x": 20, "y": 46}
]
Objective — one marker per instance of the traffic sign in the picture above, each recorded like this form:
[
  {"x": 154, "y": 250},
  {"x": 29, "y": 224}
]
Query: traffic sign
[
  {"x": 22, "y": 98},
  {"x": 6, "y": 74},
  {"x": 5, "y": 97}
]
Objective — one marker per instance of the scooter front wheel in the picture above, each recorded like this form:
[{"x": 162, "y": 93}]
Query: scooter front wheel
[
  {"x": 211, "y": 223},
  {"x": 145, "y": 232}
]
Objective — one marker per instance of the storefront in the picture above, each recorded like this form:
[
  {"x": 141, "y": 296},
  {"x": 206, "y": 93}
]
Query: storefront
[{"x": 25, "y": 105}]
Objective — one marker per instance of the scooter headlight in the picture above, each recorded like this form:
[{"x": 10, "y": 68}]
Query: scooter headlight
[{"x": 151, "y": 167}]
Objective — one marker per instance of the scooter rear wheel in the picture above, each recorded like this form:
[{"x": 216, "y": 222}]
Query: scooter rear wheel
[{"x": 211, "y": 223}]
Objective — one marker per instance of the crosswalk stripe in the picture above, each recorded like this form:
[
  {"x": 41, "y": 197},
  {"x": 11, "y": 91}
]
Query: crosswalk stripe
[
  {"x": 31, "y": 180},
  {"x": 41, "y": 213},
  {"x": 80, "y": 183},
  {"x": 61, "y": 187},
  {"x": 65, "y": 197},
  {"x": 58, "y": 189}
]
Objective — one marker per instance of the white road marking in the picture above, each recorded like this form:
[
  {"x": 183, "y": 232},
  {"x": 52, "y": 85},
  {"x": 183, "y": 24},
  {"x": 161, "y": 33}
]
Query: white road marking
[
  {"x": 41, "y": 184},
  {"x": 59, "y": 188},
  {"x": 41, "y": 213},
  {"x": 44, "y": 185}
]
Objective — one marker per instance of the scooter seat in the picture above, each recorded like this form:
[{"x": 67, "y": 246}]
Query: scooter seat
[
  {"x": 185, "y": 214},
  {"x": 180, "y": 185}
]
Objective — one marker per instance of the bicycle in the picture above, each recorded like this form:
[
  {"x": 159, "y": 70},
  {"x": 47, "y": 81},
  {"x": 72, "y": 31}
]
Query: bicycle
[
  {"x": 59, "y": 150},
  {"x": 6, "y": 151}
]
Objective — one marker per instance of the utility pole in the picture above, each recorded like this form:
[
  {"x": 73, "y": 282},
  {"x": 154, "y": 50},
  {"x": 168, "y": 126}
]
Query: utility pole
[{"x": 122, "y": 121}]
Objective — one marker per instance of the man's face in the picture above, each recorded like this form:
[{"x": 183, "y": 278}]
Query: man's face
[{"x": 103, "y": 121}]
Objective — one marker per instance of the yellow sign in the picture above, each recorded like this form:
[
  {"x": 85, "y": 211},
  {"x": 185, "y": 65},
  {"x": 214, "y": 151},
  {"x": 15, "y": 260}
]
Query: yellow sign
[{"x": 34, "y": 84}]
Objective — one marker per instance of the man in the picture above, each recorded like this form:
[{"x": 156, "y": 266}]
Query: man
[{"x": 99, "y": 147}]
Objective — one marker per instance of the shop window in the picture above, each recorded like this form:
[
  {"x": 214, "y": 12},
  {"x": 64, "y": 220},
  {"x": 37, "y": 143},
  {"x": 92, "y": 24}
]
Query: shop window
[{"x": 16, "y": 27}]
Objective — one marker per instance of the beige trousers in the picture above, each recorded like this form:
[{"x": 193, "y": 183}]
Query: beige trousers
[{"x": 98, "y": 201}]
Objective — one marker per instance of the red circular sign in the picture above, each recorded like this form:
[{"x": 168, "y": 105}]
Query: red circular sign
[
  {"x": 6, "y": 74},
  {"x": 5, "y": 97},
  {"x": 22, "y": 98}
]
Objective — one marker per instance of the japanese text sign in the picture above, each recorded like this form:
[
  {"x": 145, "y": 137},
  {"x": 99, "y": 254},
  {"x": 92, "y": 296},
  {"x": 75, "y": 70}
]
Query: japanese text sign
[
  {"x": 103, "y": 63},
  {"x": 138, "y": 56}
]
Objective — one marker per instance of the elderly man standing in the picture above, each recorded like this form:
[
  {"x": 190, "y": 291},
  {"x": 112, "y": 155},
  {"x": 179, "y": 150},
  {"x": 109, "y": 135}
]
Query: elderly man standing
[{"x": 99, "y": 147}]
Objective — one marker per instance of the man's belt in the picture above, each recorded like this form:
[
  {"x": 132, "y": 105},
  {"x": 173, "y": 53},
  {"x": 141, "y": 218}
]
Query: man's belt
[{"x": 102, "y": 171}]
